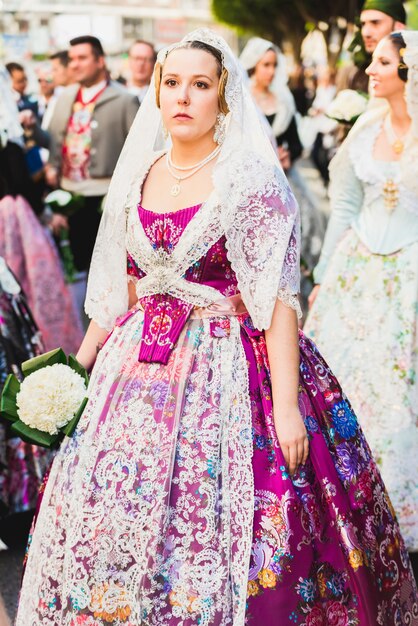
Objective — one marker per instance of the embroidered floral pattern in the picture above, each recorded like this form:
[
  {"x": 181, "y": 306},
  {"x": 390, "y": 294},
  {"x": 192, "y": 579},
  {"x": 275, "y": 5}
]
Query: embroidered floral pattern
[
  {"x": 165, "y": 316},
  {"x": 365, "y": 322},
  {"x": 172, "y": 504},
  {"x": 338, "y": 511},
  {"x": 119, "y": 522}
]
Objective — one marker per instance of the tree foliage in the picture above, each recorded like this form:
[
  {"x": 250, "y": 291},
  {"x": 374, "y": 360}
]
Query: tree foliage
[
  {"x": 279, "y": 19},
  {"x": 412, "y": 14}
]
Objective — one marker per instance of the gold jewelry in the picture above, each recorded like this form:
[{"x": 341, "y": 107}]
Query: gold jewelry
[
  {"x": 396, "y": 143},
  {"x": 391, "y": 195}
]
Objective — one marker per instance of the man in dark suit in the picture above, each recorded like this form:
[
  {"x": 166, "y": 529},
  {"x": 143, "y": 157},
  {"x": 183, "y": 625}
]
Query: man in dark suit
[{"x": 35, "y": 137}]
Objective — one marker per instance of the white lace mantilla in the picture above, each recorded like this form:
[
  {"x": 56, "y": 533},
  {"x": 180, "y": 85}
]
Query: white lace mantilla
[
  {"x": 165, "y": 271},
  {"x": 251, "y": 204},
  {"x": 262, "y": 228},
  {"x": 261, "y": 237}
]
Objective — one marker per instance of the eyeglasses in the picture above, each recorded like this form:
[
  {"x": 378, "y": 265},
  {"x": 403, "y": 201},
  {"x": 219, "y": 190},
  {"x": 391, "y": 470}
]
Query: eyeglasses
[{"x": 49, "y": 81}]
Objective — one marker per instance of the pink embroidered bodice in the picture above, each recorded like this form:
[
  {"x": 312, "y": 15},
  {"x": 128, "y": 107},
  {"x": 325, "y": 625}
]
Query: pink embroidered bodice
[{"x": 165, "y": 315}]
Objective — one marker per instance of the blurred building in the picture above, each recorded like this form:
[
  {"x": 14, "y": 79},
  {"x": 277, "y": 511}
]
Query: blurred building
[{"x": 36, "y": 27}]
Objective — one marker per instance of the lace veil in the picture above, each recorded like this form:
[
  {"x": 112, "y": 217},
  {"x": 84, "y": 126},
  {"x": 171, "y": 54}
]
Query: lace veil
[
  {"x": 410, "y": 154},
  {"x": 286, "y": 108},
  {"x": 251, "y": 201}
]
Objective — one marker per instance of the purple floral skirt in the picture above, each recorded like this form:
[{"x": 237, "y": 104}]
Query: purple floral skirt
[
  {"x": 172, "y": 504},
  {"x": 327, "y": 550}
]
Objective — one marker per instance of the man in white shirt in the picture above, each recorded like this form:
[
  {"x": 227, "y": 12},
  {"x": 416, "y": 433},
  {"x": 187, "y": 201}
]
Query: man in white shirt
[{"x": 142, "y": 57}]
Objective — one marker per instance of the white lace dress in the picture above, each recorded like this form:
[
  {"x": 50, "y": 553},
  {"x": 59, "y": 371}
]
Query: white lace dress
[{"x": 365, "y": 317}]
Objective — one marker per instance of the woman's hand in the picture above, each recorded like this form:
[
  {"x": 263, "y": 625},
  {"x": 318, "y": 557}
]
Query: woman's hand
[
  {"x": 51, "y": 176},
  {"x": 293, "y": 438},
  {"x": 91, "y": 344},
  {"x": 57, "y": 223},
  {"x": 282, "y": 342},
  {"x": 313, "y": 295},
  {"x": 27, "y": 119},
  {"x": 284, "y": 158}
]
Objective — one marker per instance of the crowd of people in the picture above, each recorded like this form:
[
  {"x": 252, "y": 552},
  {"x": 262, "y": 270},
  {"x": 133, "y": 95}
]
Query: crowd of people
[{"x": 218, "y": 474}]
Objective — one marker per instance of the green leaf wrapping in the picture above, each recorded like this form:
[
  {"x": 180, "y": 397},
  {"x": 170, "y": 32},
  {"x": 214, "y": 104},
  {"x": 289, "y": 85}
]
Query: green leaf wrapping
[
  {"x": 72, "y": 424},
  {"x": 38, "y": 362},
  {"x": 8, "y": 408},
  {"x": 78, "y": 368},
  {"x": 35, "y": 436}
]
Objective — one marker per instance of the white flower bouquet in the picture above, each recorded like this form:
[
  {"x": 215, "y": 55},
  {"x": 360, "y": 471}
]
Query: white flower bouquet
[
  {"x": 47, "y": 404},
  {"x": 347, "y": 106}
]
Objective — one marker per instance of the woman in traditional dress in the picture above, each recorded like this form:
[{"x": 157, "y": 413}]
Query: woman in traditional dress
[
  {"x": 22, "y": 465},
  {"x": 266, "y": 67},
  {"x": 29, "y": 251},
  {"x": 25, "y": 244},
  {"x": 183, "y": 498},
  {"x": 364, "y": 316}
]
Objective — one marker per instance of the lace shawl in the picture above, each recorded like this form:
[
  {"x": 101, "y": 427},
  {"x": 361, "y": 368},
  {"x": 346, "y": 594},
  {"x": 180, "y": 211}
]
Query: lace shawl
[
  {"x": 364, "y": 133},
  {"x": 408, "y": 179},
  {"x": 369, "y": 172},
  {"x": 252, "y": 53}
]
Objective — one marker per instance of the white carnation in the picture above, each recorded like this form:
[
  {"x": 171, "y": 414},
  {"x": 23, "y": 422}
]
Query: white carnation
[
  {"x": 49, "y": 398},
  {"x": 347, "y": 105}
]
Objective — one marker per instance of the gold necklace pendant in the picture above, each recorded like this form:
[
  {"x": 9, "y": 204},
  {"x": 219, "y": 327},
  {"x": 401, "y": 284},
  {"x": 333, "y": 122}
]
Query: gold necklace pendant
[
  {"x": 395, "y": 142},
  {"x": 397, "y": 146},
  {"x": 391, "y": 195}
]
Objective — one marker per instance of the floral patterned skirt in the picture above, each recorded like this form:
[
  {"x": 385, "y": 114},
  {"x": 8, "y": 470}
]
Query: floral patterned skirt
[
  {"x": 365, "y": 323},
  {"x": 29, "y": 251},
  {"x": 172, "y": 505},
  {"x": 21, "y": 464}
]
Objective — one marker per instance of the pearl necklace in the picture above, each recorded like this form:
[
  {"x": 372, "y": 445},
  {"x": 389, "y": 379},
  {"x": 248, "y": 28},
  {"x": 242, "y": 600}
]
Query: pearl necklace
[
  {"x": 192, "y": 169},
  {"x": 396, "y": 143}
]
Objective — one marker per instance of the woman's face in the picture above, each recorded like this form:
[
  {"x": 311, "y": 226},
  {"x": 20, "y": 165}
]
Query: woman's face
[
  {"x": 189, "y": 94},
  {"x": 383, "y": 71},
  {"x": 265, "y": 69}
]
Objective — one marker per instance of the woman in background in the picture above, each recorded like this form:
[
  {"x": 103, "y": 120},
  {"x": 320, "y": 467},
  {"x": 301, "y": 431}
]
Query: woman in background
[
  {"x": 364, "y": 313},
  {"x": 25, "y": 245},
  {"x": 31, "y": 281},
  {"x": 266, "y": 68},
  {"x": 22, "y": 465}
]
